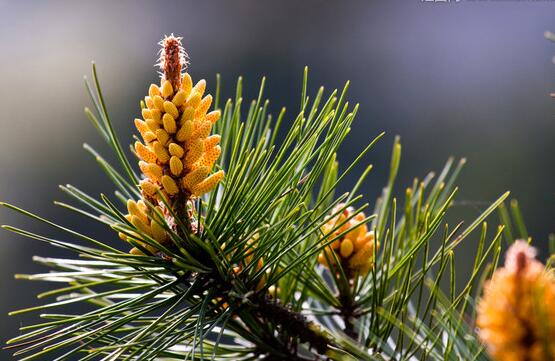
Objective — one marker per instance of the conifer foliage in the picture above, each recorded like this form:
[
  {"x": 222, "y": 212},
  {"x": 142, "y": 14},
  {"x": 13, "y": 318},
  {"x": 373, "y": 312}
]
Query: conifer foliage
[{"x": 236, "y": 246}]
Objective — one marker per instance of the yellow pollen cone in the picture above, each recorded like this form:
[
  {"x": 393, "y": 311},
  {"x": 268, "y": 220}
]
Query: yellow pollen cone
[
  {"x": 212, "y": 141},
  {"x": 208, "y": 184},
  {"x": 158, "y": 232},
  {"x": 167, "y": 89},
  {"x": 515, "y": 315},
  {"x": 162, "y": 136},
  {"x": 179, "y": 98},
  {"x": 186, "y": 84},
  {"x": 362, "y": 240},
  {"x": 152, "y": 125},
  {"x": 194, "y": 99},
  {"x": 159, "y": 102},
  {"x": 146, "y": 114},
  {"x": 195, "y": 177},
  {"x": 213, "y": 116},
  {"x": 362, "y": 256},
  {"x": 195, "y": 152},
  {"x": 144, "y": 153},
  {"x": 176, "y": 150},
  {"x": 142, "y": 206},
  {"x": 148, "y": 187},
  {"x": 188, "y": 114},
  {"x": 200, "y": 87},
  {"x": 156, "y": 114},
  {"x": 203, "y": 130},
  {"x": 176, "y": 167},
  {"x": 169, "y": 123},
  {"x": 149, "y": 137},
  {"x": 161, "y": 152},
  {"x": 203, "y": 106},
  {"x": 356, "y": 246},
  {"x": 171, "y": 109},
  {"x": 139, "y": 224},
  {"x": 153, "y": 90},
  {"x": 141, "y": 126},
  {"x": 185, "y": 132},
  {"x": 169, "y": 185},
  {"x": 134, "y": 210},
  {"x": 211, "y": 155},
  {"x": 346, "y": 248},
  {"x": 151, "y": 170},
  {"x": 149, "y": 102}
]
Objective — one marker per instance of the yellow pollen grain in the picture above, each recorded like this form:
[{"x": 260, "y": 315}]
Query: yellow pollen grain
[{"x": 169, "y": 185}]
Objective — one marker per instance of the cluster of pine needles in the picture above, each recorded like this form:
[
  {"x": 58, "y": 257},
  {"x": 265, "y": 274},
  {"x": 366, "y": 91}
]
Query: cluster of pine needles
[{"x": 268, "y": 262}]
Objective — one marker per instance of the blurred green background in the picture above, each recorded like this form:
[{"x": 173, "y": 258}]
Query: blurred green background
[{"x": 468, "y": 79}]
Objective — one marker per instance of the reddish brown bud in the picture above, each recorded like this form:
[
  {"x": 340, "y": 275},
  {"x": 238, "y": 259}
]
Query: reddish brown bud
[{"x": 173, "y": 60}]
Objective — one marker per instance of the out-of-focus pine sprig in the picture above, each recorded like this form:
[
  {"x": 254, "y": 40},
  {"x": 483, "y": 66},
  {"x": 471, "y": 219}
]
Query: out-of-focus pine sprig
[{"x": 244, "y": 282}]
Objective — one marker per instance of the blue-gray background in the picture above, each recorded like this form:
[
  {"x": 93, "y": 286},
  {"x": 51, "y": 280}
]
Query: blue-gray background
[{"x": 469, "y": 79}]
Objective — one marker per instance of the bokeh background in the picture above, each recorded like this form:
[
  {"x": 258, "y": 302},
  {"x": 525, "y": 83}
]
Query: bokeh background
[{"x": 468, "y": 79}]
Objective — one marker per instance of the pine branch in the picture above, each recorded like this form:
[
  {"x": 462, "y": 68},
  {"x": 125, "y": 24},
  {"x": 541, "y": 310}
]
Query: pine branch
[{"x": 266, "y": 262}]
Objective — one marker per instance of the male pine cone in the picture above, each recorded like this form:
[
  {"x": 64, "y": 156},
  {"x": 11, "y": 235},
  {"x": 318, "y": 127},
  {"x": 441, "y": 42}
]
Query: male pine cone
[
  {"x": 516, "y": 317},
  {"x": 177, "y": 152},
  {"x": 355, "y": 250}
]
